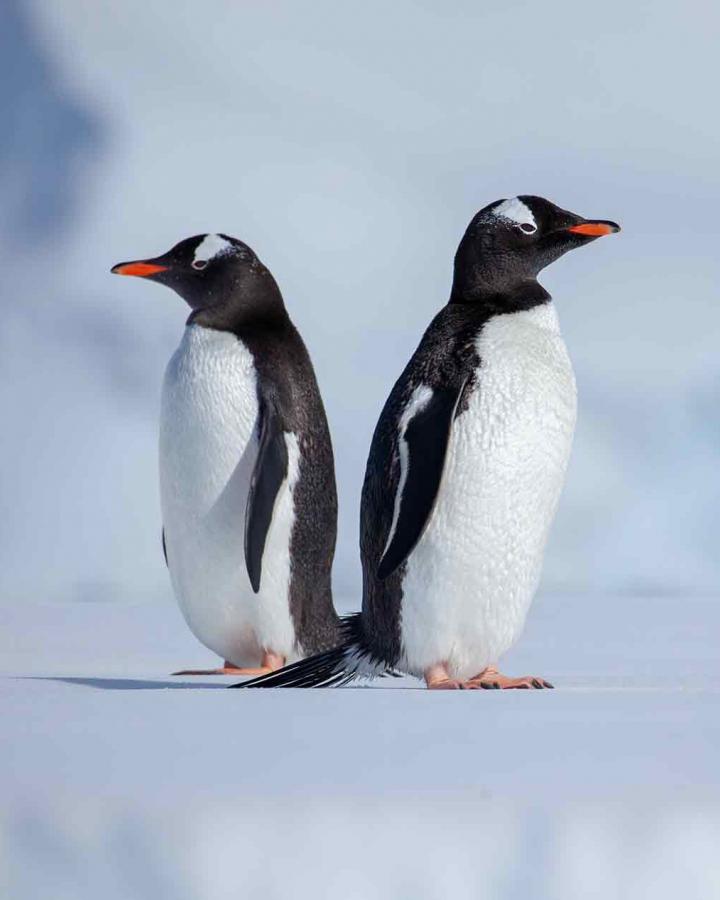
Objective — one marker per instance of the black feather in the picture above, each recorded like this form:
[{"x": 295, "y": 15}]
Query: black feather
[
  {"x": 427, "y": 437},
  {"x": 332, "y": 668}
]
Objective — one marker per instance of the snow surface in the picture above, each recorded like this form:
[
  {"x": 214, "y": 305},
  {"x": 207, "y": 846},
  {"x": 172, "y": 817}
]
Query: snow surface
[{"x": 119, "y": 781}]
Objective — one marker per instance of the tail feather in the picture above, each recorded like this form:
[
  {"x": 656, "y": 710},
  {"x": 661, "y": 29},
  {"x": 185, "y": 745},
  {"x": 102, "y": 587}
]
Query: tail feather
[{"x": 349, "y": 660}]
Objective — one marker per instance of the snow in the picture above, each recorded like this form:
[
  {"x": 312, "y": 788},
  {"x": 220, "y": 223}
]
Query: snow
[{"x": 120, "y": 781}]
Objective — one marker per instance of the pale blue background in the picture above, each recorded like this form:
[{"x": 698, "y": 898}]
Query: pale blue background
[{"x": 350, "y": 145}]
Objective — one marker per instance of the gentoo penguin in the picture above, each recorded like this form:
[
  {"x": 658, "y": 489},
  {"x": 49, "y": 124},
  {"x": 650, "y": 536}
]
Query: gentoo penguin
[
  {"x": 247, "y": 480},
  {"x": 466, "y": 467}
]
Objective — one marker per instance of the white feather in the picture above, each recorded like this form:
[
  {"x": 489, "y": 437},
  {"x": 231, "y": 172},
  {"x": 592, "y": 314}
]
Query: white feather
[
  {"x": 420, "y": 398},
  {"x": 471, "y": 579},
  {"x": 211, "y": 246},
  {"x": 208, "y": 448},
  {"x": 516, "y": 211}
]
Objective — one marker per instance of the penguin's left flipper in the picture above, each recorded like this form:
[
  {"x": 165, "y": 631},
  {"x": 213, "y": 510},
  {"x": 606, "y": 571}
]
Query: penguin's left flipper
[
  {"x": 268, "y": 475},
  {"x": 427, "y": 436}
]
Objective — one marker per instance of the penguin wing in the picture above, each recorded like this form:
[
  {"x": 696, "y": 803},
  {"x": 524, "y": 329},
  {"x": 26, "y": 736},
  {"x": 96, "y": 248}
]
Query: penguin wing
[
  {"x": 423, "y": 438},
  {"x": 269, "y": 473}
]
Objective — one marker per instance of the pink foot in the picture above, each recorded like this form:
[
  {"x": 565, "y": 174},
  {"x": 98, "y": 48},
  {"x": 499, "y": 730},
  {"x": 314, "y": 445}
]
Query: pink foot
[
  {"x": 270, "y": 663},
  {"x": 437, "y": 678},
  {"x": 491, "y": 679},
  {"x": 448, "y": 684}
]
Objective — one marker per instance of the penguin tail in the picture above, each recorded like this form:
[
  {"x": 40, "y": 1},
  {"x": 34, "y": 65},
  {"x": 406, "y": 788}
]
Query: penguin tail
[{"x": 349, "y": 660}]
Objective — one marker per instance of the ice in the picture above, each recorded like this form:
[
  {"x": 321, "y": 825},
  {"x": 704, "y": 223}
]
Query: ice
[{"x": 119, "y": 780}]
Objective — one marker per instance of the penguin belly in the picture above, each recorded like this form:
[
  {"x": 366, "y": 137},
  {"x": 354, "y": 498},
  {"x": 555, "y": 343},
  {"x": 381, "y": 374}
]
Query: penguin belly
[
  {"x": 208, "y": 448},
  {"x": 470, "y": 580}
]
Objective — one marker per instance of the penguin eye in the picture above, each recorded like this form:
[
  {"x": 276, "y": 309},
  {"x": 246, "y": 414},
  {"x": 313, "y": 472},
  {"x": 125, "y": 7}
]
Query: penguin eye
[
  {"x": 528, "y": 228},
  {"x": 199, "y": 264}
]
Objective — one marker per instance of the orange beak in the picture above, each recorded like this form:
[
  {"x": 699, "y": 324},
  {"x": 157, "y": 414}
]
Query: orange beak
[
  {"x": 142, "y": 269},
  {"x": 595, "y": 229}
]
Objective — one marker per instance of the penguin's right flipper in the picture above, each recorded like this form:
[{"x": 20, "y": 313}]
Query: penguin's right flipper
[
  {"x": 268, "y": 475},
  {"x": 426, "y": 438}
]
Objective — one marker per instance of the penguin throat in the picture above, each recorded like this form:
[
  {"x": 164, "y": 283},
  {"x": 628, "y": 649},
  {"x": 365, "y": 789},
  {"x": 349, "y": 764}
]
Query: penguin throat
[
  {"x": 498, "y": 296},
  {"x": 252, "y": 301}
]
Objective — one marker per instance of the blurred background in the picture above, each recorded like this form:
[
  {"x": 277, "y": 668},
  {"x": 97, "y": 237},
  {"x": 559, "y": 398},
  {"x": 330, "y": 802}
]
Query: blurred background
[{"x": 349, "y": 146}]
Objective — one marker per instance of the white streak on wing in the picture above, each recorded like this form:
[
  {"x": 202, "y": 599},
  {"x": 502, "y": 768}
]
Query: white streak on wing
[
  {"x": 419, "y": 399},
  {"x": 211, "y": 246},
  {"x": 514, "y": 210}
]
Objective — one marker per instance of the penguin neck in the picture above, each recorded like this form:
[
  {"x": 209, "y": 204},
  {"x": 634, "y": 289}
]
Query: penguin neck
[
  {"x": 494, "y": 281},
  {"x": 251, "y": 302},
  {"x": 498, "y": 295},
  {"x": 500, "y": 299}
]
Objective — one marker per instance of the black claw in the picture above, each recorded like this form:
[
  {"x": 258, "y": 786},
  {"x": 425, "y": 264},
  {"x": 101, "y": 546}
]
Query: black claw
[
  {"x": 496, "y": 685},
  {"x": 538, "y": 684},
  {"x": 548, "y": 685},
  {"x": 485, "y": 686}
]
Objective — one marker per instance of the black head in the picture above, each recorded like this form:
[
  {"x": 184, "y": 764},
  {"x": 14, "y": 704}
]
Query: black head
[
  {"x": 214, "y": 273},
  {"x": 509, "y": 242}
]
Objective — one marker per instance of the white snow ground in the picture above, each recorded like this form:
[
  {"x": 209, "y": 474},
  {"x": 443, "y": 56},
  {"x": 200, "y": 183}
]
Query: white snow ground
[{"x": 121, "y": 782}]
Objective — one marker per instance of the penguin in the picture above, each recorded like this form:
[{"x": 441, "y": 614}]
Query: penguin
[
  {"x": 247, "y": 480},
  {"x": 465, "y": 468}
]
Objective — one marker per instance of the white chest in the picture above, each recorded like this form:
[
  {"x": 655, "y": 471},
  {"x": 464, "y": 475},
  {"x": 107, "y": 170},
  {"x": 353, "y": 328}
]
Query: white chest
[
  {"x": 208, "y": 415},
  {"x": 208, "y": 449},
  {"x": 471, "y": 578}
]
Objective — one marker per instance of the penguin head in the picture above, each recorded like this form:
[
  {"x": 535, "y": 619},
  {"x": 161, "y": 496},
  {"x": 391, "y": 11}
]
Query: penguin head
[
  {"x": 510, "y": 241},
  {"x": 208, "y": 271}
]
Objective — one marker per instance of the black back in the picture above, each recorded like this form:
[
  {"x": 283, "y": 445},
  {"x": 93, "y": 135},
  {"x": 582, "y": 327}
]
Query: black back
[{"x": 286, "y": 377}]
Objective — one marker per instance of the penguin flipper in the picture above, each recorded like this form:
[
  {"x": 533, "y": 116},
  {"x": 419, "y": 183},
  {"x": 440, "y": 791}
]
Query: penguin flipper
[
  {"x": 268, "y": 475},
  {"x": 426, "y": 438}
]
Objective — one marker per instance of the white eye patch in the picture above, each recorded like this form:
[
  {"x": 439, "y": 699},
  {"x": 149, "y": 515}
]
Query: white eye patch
[
  {"x": 212, "y": 245},
  {"x": 517, "y": 212}
]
